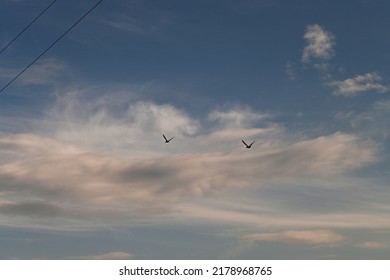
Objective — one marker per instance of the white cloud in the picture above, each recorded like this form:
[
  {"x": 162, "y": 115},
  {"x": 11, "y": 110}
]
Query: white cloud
[
  {"x": 162, "y": 118},
  {"x": 358, "y": 84},
  {"x": 237, "y": 117},
  {"x": 311, "y": 237},
  {"x": 118, "y": 124},
  {"x": 320, "y": 44}
]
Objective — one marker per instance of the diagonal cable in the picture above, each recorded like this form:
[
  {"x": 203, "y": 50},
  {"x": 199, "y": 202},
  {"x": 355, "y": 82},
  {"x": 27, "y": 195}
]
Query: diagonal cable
[
  {"x": 21, "y": 32},
  {"x": 46, "y": 50}
]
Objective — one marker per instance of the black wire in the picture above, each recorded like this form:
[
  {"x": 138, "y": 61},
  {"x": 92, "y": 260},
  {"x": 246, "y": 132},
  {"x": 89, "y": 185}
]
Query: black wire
[
  {"x": 55, "y": 42},
  {"x": 21, "y": 32}
]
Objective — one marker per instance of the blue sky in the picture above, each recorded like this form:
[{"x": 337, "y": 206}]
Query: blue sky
[{"x": 85, "y": 172}]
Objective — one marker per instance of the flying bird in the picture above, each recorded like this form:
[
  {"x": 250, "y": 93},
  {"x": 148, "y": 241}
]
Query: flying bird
[
  {"x": 246, "y": 145},
  {"x": 167, "y": 140}
]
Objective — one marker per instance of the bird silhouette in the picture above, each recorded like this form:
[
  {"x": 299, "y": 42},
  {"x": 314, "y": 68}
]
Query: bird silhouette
[
  {"x": 246, "y": 145},
  {"x": 167, "y": 140}
]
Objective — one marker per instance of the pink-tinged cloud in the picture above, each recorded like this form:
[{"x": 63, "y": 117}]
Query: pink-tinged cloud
[
  {"x": 311, "y": 237},
  {"x": 372, "y": 245},
  {"x": 39, "y": 173},
  {"x": 117, "y": 255}
]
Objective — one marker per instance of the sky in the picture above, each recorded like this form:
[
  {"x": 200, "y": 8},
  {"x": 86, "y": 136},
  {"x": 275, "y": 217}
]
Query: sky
[{"x": 85, "y": 172}]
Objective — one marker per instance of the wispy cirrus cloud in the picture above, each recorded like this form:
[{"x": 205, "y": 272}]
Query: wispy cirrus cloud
[
  {"x": 372, "y": 245},
  {"x": 98, "y": 179},
  {"x": 259, "y": 211},
  {"x": 124, "y": 22},
  {"x": 134, "y": 24},
  {"x": 40, "y": 209},
  {"x": 291, "y": 74},
  {"x": 117, "y": 255},
  {"x": 311, "y": 237},
  {"x": 101, "y": 162},
  {"x": 44, "y": 72},
  {"x": 358, "y": 84},
  {"x": 371, "y": 123}
]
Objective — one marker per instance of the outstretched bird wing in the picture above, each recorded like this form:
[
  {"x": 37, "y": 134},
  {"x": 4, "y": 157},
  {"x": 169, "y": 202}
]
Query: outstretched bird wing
[
  {"x": 165, "y": 137},
  {"x": 250, "y": 145},
  {"x": 244, "y": 143},
  {"x": 171, "y": 139}
]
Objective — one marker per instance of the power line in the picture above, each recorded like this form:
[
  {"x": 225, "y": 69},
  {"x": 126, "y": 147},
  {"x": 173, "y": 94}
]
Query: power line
[
  {"x": 55, "y": 42},
  {"x": 21, "y": 32}
]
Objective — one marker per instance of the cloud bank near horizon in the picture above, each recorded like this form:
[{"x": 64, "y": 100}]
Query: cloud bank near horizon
[{"x": 101, "y": 163}]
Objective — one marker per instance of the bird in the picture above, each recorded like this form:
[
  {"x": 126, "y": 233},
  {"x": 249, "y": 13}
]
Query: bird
[
  {"x": 167, "y": 140},
  {"x": 246, "y": 145}
]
